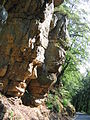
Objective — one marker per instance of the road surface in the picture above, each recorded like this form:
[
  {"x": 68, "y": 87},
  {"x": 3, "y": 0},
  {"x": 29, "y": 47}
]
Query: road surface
[{"x": 81, "y": 116}]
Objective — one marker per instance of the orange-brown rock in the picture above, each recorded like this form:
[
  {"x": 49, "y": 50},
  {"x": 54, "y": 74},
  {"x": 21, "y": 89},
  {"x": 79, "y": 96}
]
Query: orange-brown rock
[
  {"x": 58, "y": 2},
  {"x": 1, "y": 86},
  {"x": 32, "y": 50},
  {"x": 3, "y": 71}
]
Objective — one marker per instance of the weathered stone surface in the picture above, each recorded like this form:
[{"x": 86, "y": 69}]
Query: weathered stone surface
[
  {"x": 32, "y": 47},
  {"x": 12, "y": 108},
  {"x": 3, "y": 71},
  {"x": 58, "y": 2},
  {"x": 70, "y": 110}
]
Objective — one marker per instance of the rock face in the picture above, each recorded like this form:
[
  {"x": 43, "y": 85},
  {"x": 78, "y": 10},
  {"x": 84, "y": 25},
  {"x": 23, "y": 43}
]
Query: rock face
[
  {"x": 13, "y": 109},
  {"x": 32, "y": 47}
]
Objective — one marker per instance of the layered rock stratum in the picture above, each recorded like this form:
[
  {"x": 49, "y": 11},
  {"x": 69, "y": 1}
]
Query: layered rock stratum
[{"x": 33, "y": 42}]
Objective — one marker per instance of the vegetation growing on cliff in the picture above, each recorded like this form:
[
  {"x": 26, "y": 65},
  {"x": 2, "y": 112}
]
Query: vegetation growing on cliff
[{"x": 76, "y": 87}]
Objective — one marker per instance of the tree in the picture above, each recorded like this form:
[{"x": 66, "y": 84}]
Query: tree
[
  {"x": 77, "y": 51},
  {"x": 82, "y": 99},
  {"x": 76, "y": 54}
]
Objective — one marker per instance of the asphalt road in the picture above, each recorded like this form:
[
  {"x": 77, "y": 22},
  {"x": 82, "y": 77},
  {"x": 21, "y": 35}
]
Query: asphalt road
[{"x": 81, "y": 116}]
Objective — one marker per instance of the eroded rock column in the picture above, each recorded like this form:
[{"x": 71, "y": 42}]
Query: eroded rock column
[{"x": 32, "y": 47}]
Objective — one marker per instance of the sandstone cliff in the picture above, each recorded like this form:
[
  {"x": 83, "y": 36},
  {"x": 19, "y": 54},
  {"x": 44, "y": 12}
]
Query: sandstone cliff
[
  {"x": 32, "y": 47},
  {"x": 13, "y": 109}
]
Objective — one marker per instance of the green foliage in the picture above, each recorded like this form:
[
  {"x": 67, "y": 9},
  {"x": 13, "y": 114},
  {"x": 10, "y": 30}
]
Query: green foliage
[
  {"x": 49, "y": 102},
  {"x": 65, "y": 102},
  {"x": 11, "y": 115},
  {"x": 53, "y": 103},
  {"x": 82, "y": 99},
  {"x": 60, "y": 97},
  {"x": 78, "y": 29},
  {"x": 76, "y": 55},
  {"x": 76, "y": 88}
]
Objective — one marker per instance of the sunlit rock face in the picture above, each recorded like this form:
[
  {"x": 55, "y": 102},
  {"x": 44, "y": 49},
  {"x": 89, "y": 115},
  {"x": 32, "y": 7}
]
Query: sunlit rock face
[{"x": 32, "y": 47}]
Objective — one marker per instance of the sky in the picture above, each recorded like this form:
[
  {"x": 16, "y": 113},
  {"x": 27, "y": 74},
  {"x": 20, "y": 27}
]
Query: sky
[{"x": 85, "y": 5}]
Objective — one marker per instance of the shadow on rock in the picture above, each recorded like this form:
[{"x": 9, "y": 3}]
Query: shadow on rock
[{"x": 2, "y": 110}]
